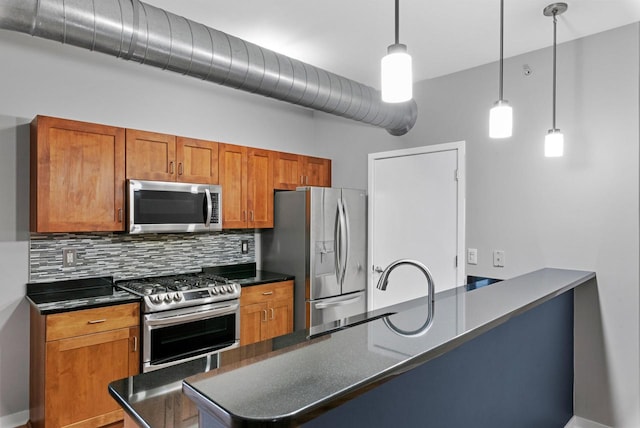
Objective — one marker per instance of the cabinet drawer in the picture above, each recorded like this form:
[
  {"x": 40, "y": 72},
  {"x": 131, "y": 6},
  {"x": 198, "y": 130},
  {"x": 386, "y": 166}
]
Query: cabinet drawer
[
  {"x": 87, "y": 321},
  {"x": 266, "y": 292}
]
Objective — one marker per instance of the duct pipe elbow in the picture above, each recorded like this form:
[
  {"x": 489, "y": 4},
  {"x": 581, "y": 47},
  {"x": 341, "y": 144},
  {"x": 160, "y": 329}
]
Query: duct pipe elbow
[{"x": 408, "y": 113}]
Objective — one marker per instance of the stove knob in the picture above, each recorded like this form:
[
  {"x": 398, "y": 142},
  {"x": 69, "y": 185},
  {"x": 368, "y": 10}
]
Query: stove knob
[
  {"x": 214, "y": 291},
  {"x": 229, "y": 289},
  {"x": 177, "y": 297},
  {"x": 155, "y": 298},
  {"x": 167, "y": 297}
]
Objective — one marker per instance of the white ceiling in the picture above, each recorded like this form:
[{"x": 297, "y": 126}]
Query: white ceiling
[{"x": 348, "y": 37}]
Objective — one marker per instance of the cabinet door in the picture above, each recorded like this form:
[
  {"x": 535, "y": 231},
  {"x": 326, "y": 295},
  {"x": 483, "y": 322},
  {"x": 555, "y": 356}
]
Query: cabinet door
[
  {"x": 260, "y": 188},
  {"x": 197, "y": 161},
  {"x": 151, "y": 156},
  {"x": 78, "y": 371},
  {"x": 77, "y": 176},
  {"x": 233, "y": 178},
  {"x": 280, "y": 318},
  {"x": 287, "y": 171},
  {"x": 253, "y": 323},
  {"x": 317, "y": 171}
]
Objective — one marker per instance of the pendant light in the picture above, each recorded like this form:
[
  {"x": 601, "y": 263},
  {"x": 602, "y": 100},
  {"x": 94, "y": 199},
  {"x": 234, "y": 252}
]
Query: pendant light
[
  {"x": 554, "y": 141},
  {"x": 397, "y": 78},
  {"x": 501, "y": 115}
]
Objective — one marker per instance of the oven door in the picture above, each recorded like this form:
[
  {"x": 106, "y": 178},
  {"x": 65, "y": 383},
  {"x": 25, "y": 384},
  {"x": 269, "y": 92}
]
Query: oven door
[{"x": 175, "y": 336}]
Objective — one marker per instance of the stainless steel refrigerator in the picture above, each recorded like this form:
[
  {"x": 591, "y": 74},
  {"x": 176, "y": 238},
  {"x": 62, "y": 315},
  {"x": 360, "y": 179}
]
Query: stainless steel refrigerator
[{"x": 319, "y": 235}]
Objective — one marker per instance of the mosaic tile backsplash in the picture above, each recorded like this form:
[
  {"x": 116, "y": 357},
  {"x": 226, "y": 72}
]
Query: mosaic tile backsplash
[{"x": 129, "y": 256}]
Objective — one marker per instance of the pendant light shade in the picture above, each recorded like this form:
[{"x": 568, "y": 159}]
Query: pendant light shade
[
  {"x": 501, "y": 120},
  {"x": 396, "y": 74},
  {"x": 554, "y": 144},
  {"x": 501, "y": 115},
  {"x": 554, "y": 141}
]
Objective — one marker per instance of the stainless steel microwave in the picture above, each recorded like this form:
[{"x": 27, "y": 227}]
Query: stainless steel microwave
[{"x": 159, "y": 207}]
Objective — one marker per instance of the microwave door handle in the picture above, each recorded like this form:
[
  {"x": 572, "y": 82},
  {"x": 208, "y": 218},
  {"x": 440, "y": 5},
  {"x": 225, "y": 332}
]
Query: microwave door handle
[
  {"x": 207, "y": 220},
  {"x": 195, "y": 316}
]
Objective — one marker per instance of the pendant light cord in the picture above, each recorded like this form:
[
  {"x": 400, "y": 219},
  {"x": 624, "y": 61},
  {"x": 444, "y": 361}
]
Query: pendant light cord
[
  {"x": 397, "y": 22},
  {"x": 555, "y": 21},
  {"x": 501, "y": 49}
]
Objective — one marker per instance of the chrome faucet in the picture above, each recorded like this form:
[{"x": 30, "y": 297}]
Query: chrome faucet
[{"x": 384, "y": 281}]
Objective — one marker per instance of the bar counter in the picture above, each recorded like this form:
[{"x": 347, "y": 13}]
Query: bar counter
[{"x": 334, "y": 373}]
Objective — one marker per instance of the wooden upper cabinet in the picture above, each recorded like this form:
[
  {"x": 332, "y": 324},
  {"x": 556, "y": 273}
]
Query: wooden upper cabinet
[
  {"x": 317, "y": 171},
  {"x": 162, "y": 157},
  {"x": 287, "y": 173},
  {"x": 260, "y": 188},
  {"x": 151, "y": 156},
  {"x": 292, "y": 171},
  {"x": 77, "y": 176},
  {"x": 197, "y": 161},
  {"x": 246, "y": 176},
  {"x": 232, "y": 169}
]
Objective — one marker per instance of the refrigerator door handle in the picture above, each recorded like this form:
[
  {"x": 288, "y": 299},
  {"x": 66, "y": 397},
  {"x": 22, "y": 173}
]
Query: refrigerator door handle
[
  {"x": 345, "y": 238},
  {"x": 342, "y": 242},
  {"x": 338, "y": 244},
  {"x": 325, "y": 305}
]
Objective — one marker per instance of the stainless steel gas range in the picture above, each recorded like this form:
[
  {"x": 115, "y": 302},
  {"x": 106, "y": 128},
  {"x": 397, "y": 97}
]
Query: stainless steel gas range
[{"x": 186, "y": 316}]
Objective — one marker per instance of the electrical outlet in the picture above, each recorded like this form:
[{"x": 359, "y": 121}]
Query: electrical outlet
[
  {"x": 244, "y": 246},
  {"x": 498, "y": 258},
  {"x": 472, "y": 256},
  {"x": 68, "y": 257}
]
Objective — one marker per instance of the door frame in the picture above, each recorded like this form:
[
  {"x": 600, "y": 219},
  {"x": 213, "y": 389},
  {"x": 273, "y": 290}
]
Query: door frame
[{"x": 460, "y": 148}]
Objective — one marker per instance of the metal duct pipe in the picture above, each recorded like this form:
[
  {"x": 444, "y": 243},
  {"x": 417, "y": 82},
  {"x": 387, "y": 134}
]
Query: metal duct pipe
[{"x": 136, "y": 31}]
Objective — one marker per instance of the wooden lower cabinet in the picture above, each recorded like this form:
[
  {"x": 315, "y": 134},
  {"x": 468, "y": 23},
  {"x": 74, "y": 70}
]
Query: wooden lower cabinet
[
  {"x": 266, "y": 311},
  {"x": 74, "y": 357}
]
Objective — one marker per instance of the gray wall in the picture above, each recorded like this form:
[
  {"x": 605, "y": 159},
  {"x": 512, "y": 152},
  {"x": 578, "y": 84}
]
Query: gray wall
[
  {"x": 41, "y": 77},
  {"x": 579, "y": 211}
]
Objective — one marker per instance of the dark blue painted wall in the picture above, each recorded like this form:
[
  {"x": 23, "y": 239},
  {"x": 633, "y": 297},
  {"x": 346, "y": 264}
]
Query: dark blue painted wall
[{"x": 518, "y": 375}]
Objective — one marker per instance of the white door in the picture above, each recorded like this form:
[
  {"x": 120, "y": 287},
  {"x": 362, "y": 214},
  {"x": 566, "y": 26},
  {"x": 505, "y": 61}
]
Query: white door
[{"x": 416, "y": 211}]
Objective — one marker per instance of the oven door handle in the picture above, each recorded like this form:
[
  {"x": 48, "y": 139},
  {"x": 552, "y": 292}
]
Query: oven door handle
[{"x": 192, "y": 316}]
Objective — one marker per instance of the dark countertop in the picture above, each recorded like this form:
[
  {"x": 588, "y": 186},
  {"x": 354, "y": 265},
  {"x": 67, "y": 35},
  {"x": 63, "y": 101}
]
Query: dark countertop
[
  {"x": 309, "y": 370},
  {"x": 246, "y": 274},
  {"x": 76, "y": 294}
]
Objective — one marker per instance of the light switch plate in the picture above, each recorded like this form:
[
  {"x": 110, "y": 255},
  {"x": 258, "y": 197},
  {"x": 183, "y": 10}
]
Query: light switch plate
[
  {"x": 472, "y": 256},
  {"x": 498, "y": 258},
  {"x": 68, "y": 257}
]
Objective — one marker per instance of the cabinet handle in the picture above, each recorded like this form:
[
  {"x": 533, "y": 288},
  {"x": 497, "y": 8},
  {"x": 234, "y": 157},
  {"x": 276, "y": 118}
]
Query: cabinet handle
[
  {"x": 306, "y": 179},
  {"x": 171, "y": 167},
  {"x": 302, "y": 179},
  {"x": 267, "y": 293},
  {"x": 273, "y": 313},
  {"x": 96, "y": 321},
  {"x": 244, "y": 215},
  {"x": 119, "y": 215},
  {"x": 251, "y": 214},
  {"x": 265, "y": 315},
  {"x": 180, "y": 168},
  {"x": 135, "y": 343}
]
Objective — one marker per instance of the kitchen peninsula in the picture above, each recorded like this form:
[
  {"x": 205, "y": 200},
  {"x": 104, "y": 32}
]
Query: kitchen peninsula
[{"x": 500, "y": 355}]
